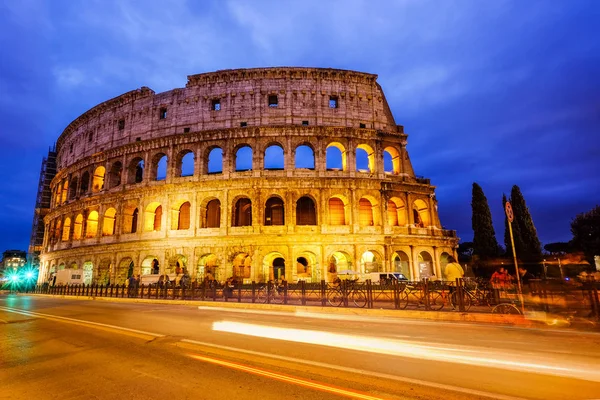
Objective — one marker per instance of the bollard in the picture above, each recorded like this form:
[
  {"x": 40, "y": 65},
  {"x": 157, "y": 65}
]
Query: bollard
[
  {"x": 323, "y": 293},
  {"x": 253, "y": 292},
  {"x": 396, "y": 294},
  {"x": 460, "y": 293},
  {"x": 345, "y": 292},
  {"x": 426, "y": 294},
  {"x": 285, "y": 292}
]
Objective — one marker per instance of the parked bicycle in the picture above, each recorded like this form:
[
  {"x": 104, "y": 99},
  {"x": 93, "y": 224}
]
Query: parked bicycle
[
  {"x": 270, "y": 293},
  {"x": 415, "y": 292},
  {"x": 356, "y": 296},
  {"x": 474, "y": 293}
]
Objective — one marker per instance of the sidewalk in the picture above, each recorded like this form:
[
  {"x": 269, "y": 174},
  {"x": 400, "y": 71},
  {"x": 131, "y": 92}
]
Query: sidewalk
[{"x": 536, "y": 319}]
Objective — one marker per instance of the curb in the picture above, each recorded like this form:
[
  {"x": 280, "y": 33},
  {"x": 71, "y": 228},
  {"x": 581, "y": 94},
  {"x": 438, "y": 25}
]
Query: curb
[{"x": 511, "y": 320}]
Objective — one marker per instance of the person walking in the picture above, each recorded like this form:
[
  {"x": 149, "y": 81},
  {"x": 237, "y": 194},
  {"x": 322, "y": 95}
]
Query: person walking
[{"x": 453, "y": 271}]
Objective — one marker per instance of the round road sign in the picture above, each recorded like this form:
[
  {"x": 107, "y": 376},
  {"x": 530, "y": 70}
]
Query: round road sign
[{"x": 509, "y": 211}]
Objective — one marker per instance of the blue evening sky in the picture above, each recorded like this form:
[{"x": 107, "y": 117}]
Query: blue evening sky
[{"x": 495, "y": 92}]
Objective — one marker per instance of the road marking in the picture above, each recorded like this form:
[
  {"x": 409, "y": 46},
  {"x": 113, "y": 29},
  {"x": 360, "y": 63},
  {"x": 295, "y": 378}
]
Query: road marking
[
  {"x": 106, "y": 327},
  {"x": 357, "y": 371},
  {"x": 286, "y": 378},
  {"x": 503, "y": 359}
]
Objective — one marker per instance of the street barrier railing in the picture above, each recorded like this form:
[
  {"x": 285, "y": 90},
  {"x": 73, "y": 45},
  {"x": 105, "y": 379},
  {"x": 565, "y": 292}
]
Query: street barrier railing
[{"x": 571, "y": 299}]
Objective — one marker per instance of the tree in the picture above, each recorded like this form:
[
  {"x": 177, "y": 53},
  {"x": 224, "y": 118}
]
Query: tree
[
  {"x": 558, "y": 247},
  {"x": 586, "y": 233},
  {"x": 532, "y": 248},
  {"x": 465, "y": 251},
  {"x": 485, "y": 244}
]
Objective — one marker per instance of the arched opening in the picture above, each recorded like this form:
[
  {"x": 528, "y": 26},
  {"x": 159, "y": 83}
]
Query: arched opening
[
  {"x": 208, "y": 268},
  {"x": 104, "y": 268},
  {"x": 150, "y": 266},
  {"x": 365, "y": 158},
  {"x": 425, "y": 265},
  {"x": 396, "y": 212},
  {"x": 274, "y": 212},
  {"x": 185, "y": 163},
  {"x": 401, "y": 264},
  {"x": 91, "y": 228},
  {"x": 66, "y": 230},
  {"x": 306, "y": 212},
  {"x": 135, "y": 171},
  {"x": 65, "y": 190},
  {"x": 365, "y": 212},
  {"x": 85, "y": 183},
  {"x": 215, "y": 161},
  {"x": 213, "y": 214},
  {"x": 243, "y": 158},
  {"x": 114, "y": 176},
  {"x": 124, "y": 270},
  {"x": 153, "y": 217},
  {"x": 370, "y": 261},
  {"x": 391, "y": 160},
  {"x": 78, "y": 227},
  {"x": 335, "y": 158},
  {"x": 73, "y": 188},
  {"x": 421, "y": 214},
  {"x": 181, "y": 216},
  {"x": 339, "y": 263},
  {"x": 242, "y": 212},
  {"x": 274, "y": 158},
  {"x": 306, "y": 267},
  {"x": 130, "y": 219},
  {"x": 242, "y": 266},
  {"x": 278, "y": 268},
  {"x": 98, "y": 180},
  {"x": 108, "y": 222},
  {"x": 305, "y": 157},
  {"x": 337, "y": 211},
  {"x": 177, "y": 265},
  {"x": 443, "y": 262},
  {"x": 159, "y": 166}
]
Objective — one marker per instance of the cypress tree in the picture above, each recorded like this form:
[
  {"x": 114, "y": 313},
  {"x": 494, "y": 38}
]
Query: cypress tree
[
  {"x": 532, "y": 248},
  {"x": 485, "y": 244}
]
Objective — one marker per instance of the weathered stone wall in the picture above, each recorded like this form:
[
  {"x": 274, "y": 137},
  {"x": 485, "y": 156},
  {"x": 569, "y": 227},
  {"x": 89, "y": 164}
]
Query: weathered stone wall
[{"x": 401, "y": 207}]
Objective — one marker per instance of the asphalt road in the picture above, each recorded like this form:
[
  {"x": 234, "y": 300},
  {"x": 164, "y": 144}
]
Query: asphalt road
[{"x": 52, "y": 348}]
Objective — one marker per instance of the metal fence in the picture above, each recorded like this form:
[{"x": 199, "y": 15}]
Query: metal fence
[{"x": 578, "y": 299}]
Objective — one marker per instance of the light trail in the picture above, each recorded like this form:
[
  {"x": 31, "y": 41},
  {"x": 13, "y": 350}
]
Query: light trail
[
  {"x": 288, "y": 379},
  {"x": 410, "y": 349}
]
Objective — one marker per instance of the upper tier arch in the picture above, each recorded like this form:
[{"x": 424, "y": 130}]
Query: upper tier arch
[{"x": 279, "y": 96}]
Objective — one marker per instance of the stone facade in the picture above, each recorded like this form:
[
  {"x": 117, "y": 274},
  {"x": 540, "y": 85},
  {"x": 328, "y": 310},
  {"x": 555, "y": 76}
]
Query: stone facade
[{"x": 153, "y": 183}]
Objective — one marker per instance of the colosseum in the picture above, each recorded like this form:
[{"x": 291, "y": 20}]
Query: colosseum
[{"x": 254, "y": 173}]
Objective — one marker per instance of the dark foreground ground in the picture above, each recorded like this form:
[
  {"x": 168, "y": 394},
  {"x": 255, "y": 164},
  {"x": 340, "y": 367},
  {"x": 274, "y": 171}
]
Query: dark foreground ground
[{"x": 54, "y": 348}]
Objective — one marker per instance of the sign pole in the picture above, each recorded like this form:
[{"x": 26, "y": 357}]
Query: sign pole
[{"x": 511, "y": 217}]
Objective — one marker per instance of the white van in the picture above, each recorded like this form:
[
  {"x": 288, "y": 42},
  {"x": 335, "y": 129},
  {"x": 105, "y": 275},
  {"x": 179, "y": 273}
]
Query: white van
[
  {"x": 384, "y": 277},
  {"x": 69, "y": 277}
]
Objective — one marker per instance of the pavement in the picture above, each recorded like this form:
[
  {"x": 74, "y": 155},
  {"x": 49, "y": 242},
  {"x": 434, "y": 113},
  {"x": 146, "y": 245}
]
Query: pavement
[{"x": 72, "y": 348}]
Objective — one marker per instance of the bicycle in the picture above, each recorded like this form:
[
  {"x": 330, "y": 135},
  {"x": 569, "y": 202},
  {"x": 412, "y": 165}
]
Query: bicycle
[
  {"x": 508, "y": 302},
  {"x": 472, "y": 295},
  {"x": 270, "y": 294},
  {"x": 434, "y": 296},
  {"x": 358, "y": 297}
]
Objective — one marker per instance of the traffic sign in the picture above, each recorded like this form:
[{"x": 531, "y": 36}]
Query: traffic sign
[{"x": 509, "y": 211}]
